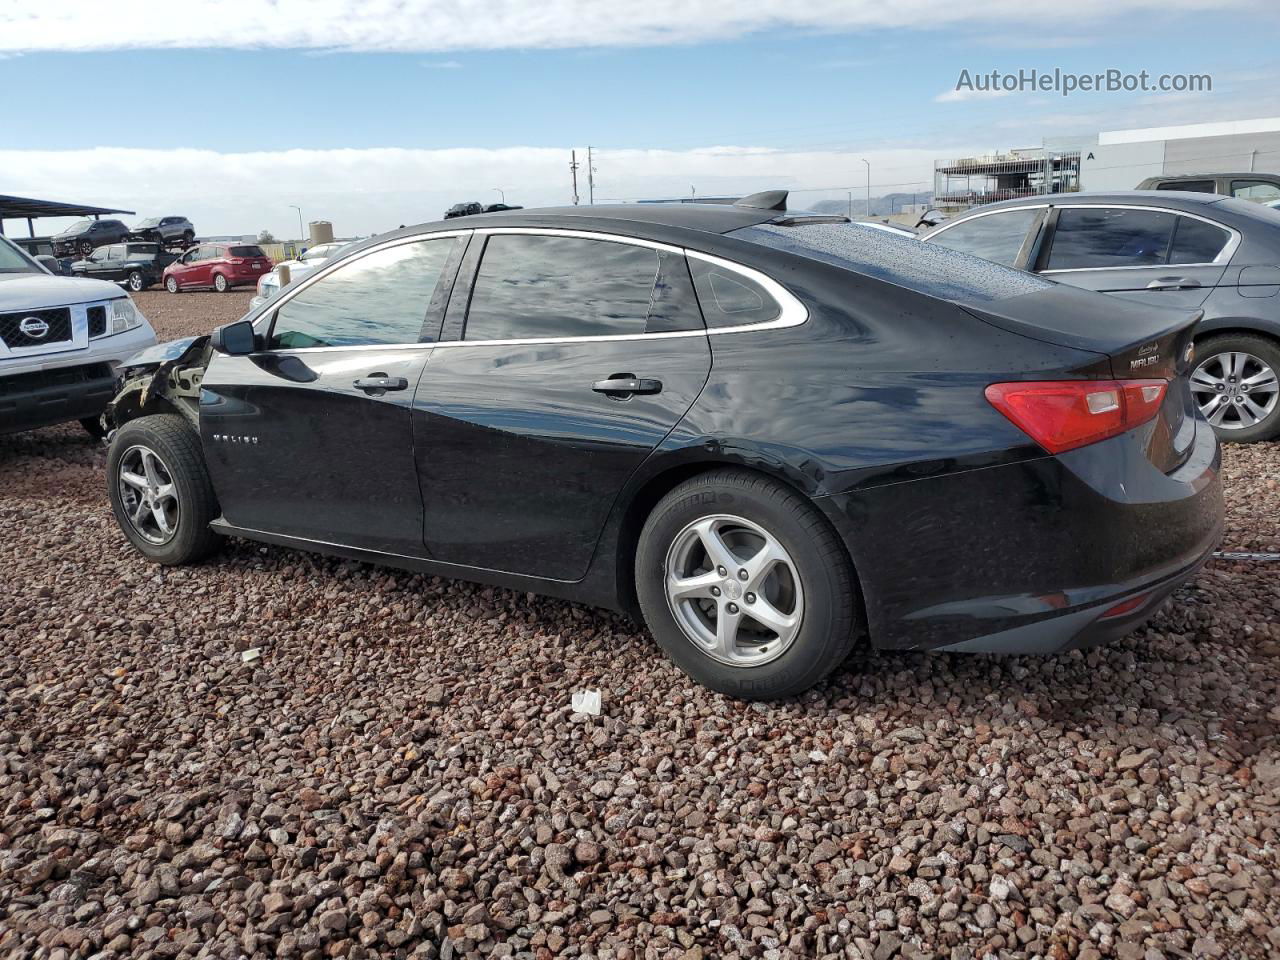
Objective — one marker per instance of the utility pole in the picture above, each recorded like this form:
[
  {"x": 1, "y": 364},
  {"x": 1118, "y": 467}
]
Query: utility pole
[
  {"x": 591, "y": 179},
  {"x": 573, "y": 169},
  {"x": 868, "y": 163},
  {"x": 302, "y": 234},
  {"x": 850, "y": 204}
]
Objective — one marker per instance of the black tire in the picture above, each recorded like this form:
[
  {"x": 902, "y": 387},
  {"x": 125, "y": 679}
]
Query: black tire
[
  {"x": 171, "y": 284},
  {"x": 188, "y": 238},
  {"x": 135, "y": 281},
  {"x": 177, "y": 446},
  {"x": 85, "y": 248},
  {"x": 828, "y": 617},
  {"x": 1263, "y": 349},
  {"x": 220, "y": 283},
  {"x": 93, "y": 426}
]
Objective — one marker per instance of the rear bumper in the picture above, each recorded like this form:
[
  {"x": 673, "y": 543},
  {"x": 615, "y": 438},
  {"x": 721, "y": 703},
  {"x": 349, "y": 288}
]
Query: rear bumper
[
  {"x": 46, "y": 397},
  {"x": 1028, "y": 557}
]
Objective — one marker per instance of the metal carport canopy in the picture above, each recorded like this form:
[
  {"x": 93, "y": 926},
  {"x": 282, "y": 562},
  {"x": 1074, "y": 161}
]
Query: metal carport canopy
[{"x": 26, "y": 208}]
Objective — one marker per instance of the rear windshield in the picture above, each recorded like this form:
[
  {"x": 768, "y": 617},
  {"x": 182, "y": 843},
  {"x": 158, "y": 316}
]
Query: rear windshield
[
  {"x": 246, "y": 252},
  {"x": 905, "y": 261},
  {"x": 142, "y": 249}
]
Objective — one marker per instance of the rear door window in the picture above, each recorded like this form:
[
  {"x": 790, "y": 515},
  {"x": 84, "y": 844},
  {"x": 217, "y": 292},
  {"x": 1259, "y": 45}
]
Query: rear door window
[
  {"x": 1194, "y": 186},
  {"x": 552, "y": 287},
  {"x": 993, "y": 236},
  {"x": 379, "y": 298},
  {"x": 1088, "y": 238},
  {"x": 1195, "y": 241}
]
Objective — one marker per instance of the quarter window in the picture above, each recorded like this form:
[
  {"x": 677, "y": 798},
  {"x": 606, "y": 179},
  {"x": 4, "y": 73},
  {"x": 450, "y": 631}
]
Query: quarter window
[
  {"x": 1088, "y": 238},
  {"x": 543, "y": 287},
  {"x": 1197, "y": 242},
  {"x": 381, "y": 297},
  {"x": 728, "y": 298},
  {"x": 1193, "y": 186},
  {"x": 994, "y": 236}
]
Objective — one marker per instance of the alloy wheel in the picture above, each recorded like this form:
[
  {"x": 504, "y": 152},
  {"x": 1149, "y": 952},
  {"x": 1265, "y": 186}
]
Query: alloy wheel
[
  {"x": 1235, "y": 390},
  {"x": 135, "y": 281},
  {"x": 734, "y": 590},
  {"x": 148, "y": 494}
]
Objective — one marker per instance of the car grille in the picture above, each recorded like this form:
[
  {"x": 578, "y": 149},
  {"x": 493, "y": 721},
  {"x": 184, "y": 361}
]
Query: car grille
[
  {"x": 97, "y": 321},
  {"x": 59, "y": 377},
  {"x": 57, "y": 321}
]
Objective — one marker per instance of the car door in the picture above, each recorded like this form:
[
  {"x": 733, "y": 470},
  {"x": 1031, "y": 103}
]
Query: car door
[
  {"x": 1158, "y": 256},
  {"x": 311, "y": 436},
  {"x": 95, "y": 265},
  {"x": 113, "y": 266},
  {"x": 567, "y": 358}
]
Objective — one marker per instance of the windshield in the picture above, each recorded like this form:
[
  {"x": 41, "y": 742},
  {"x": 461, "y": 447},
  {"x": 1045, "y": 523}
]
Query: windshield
[
  {"x": 924, "y": 267},
  {"x": 322, "y": 252},
  {"x": 152, "y": 222},
  {"x": 13, "y": 260},
  {"x": 80, "y": 226}
]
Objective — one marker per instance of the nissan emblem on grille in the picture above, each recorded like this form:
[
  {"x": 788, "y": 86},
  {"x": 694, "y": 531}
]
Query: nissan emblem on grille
[{"x": 33, "y": 327}]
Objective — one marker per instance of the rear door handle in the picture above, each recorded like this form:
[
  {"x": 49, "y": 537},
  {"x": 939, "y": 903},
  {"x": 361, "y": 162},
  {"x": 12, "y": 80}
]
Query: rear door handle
[
  {"x": 627, "y": 386},
  {"x": 378, "y": 385},
  {"x": 1173, "y": 283}
]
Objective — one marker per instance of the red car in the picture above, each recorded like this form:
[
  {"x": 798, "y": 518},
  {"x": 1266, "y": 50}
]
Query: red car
[{"x": 218, "y": 265}]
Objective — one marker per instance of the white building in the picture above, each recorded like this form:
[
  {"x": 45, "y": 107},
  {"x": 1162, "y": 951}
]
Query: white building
[{"x": 1121, "y": 159}]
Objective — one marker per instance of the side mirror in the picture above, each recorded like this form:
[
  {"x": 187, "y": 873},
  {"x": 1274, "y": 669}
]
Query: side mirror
[{"x": 235, "y": 339}]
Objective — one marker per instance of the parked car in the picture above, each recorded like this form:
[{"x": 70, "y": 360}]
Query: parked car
[
  {"x": 1193, "y": 251},
  {"x": 762, "y": 432},
  {"x": 136, "y": 265},
  {"x": 1258, "y": 187},
  {"x": 36, "y": 246},
  {"x": 217, "y": 265},
  {"x": 166, "y": 231},
  {"x": 463, "y": 210},
  {"x": 501, "y": 207},
  {"x": 310, "y": 260},
  {"x": 62, "y": 342},
  {"x": 85, "y": 236}
]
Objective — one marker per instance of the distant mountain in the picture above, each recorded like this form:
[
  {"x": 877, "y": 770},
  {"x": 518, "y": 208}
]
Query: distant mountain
[{"x": 880, "y": 206}]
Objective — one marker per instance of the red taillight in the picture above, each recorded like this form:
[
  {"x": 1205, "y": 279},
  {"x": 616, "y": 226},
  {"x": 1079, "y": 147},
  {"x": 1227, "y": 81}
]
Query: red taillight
[{"x": 1061, "y": 415}]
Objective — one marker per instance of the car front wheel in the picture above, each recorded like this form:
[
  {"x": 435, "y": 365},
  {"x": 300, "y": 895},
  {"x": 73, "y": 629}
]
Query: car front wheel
[
  {"x": 1236, "y": 385},
  {"x": 160, "y": 490},
  {"x": 85, "y": 248},
  {"x": 745, "y": 586}
]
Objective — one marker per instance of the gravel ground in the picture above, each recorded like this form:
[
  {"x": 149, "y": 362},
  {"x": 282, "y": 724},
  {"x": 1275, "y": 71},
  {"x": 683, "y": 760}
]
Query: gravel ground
[{"x": 398, "y": 773}]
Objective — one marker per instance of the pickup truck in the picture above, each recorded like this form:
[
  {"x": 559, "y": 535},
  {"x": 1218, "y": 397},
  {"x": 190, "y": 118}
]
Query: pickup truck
[{"x": 62, "y": 343}]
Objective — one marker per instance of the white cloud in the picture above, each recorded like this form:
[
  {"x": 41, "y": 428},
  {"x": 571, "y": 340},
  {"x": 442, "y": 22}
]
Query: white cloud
[
  {"x": 438, "y": 25},
  {"x": 371, "y": 190},
  {"x": 966, "y": 94},
  {"x": 442, "y": 64}
]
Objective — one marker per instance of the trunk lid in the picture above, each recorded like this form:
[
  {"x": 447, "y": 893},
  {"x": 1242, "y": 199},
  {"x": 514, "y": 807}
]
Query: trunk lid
[{"x": 1141, "y": 342}]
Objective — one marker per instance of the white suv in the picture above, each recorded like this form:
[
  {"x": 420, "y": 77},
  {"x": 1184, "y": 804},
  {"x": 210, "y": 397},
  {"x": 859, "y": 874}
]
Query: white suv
[{"x": 62, "y": 341}]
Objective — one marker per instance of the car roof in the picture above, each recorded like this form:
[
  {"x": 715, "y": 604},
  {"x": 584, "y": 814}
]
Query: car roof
[
  {"x": 1255, "y": 175},
  {"x": 1142, "y": 198}
]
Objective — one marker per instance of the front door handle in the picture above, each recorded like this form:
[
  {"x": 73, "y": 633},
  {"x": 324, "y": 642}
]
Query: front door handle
[
  {"x": 378, "y": 385},
  {"x": 625, "y": 386},
  {"x": 1173, "y": 283}
]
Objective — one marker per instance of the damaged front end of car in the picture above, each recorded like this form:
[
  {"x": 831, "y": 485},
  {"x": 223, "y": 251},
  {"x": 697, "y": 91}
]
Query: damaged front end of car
[{"x": 165, "y": 378}]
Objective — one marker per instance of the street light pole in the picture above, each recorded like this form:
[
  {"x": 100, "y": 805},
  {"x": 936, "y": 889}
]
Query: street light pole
[
  {"x": 502, "y": 194},
  {"x": 868, "y": 163},
  {"x": 302, "y": 234}
]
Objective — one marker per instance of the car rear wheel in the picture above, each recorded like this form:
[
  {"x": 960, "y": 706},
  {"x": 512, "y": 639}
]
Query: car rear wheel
[
  {"x": 160, "y": 490},
  {"x": 220, "y": 283},
  {"x": 171, "y": 284},
  {"x": 1236, "y": 385},
  {"x": 188, "y": 238},
  {"x": 136, "y": 281},
  {"x": 745, "y": 586}
]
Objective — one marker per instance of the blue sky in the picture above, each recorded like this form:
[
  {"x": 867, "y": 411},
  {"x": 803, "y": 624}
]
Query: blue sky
[{"x": 798, "y": 98}]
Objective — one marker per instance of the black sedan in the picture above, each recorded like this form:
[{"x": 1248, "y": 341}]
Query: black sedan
[
  {"x": 135, "y": 265},
  {"x": 766, "y": 433},
  {"x": 1167, "y": 249}
]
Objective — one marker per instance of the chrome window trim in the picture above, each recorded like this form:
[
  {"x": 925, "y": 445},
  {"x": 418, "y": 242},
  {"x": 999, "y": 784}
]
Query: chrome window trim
[
  {"x": 1224, "y": 255},
  {"x": 792, "y": 311}
]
